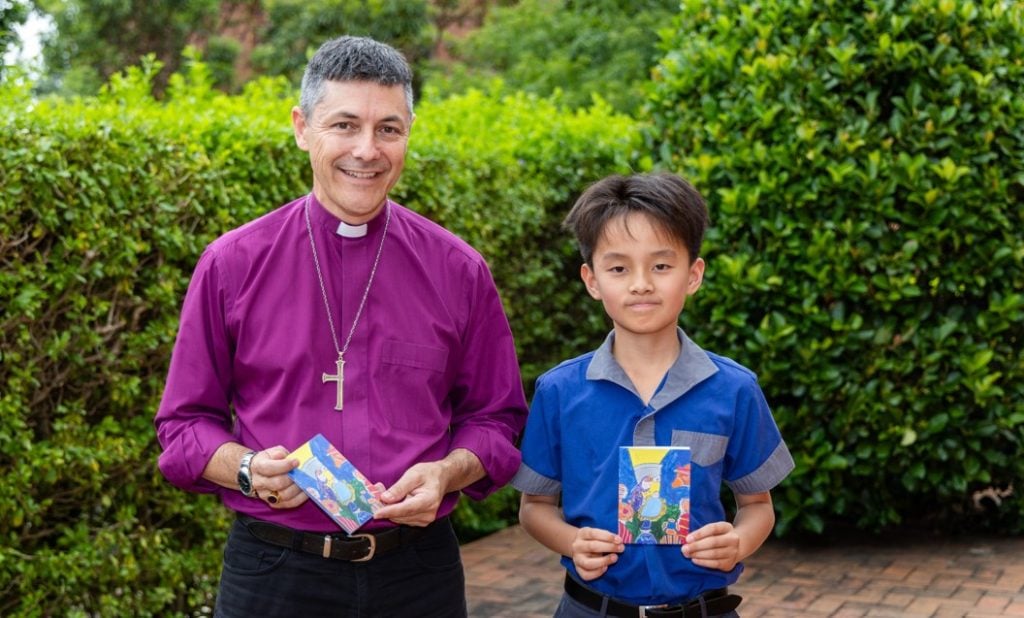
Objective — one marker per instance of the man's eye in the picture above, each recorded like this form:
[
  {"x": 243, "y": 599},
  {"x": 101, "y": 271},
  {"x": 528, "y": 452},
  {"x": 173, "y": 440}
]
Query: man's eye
[{"x": 343, "y": 126}]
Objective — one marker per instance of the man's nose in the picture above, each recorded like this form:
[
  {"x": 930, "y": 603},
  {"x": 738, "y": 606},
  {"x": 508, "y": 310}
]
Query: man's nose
[{"x": 366, "y": 145}]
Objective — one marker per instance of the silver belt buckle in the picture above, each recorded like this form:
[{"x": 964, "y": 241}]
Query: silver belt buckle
[
  {"x": 644, "y": 608},
  {"x": 372, "y": 540}
]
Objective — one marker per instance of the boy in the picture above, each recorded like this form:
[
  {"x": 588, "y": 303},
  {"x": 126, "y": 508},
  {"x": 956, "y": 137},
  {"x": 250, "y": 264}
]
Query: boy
[{"x": 648, "y": 384}]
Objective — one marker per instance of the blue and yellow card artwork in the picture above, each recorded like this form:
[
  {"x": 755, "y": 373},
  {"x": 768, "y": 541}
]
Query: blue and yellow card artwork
[
  {"x": 654, "y": 494},
  {"x": 334, "y": 484}
]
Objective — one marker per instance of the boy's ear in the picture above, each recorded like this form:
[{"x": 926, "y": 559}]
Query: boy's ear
[
  {"x": 589, "y": 280},
  {"x": 696, "y": 276}
]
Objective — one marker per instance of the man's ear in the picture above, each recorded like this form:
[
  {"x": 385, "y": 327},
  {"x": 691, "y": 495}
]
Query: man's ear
[
  {"x": 299, "y": 127},
  {"x": 589, "y": 280}
]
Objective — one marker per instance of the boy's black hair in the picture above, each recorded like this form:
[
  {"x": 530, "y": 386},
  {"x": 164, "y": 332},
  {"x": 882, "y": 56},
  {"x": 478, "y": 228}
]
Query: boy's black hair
[{"x": 668, "y": 199}]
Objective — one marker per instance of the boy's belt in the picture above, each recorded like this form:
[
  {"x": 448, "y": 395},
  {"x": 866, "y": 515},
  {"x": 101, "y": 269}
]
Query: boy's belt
[
  {"x": 354, "y": 548},
  {"x": 715, "y": 602}
]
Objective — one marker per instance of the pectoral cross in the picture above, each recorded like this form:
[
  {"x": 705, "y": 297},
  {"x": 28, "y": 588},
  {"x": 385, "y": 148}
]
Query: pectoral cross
[{"x": 339, "y": 378}]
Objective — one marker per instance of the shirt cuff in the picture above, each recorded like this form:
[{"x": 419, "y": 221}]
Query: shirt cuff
[
  {"x": 529, "y": 481},
  {"x": 183, "y": 461},
  {"x": 497, "y": 454}
]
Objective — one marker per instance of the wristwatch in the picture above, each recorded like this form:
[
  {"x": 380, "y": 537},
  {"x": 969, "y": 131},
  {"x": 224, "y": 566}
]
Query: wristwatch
[{"x": 245, "y": 475}]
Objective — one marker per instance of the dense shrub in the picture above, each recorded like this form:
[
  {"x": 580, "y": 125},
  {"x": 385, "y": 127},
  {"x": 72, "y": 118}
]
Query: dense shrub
[
  {"x": 865, "y": 167},
  {"x": 106, "y": 204}
]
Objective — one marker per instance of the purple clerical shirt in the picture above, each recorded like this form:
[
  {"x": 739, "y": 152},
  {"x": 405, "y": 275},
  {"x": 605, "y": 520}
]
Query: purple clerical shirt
[{"x": 431, "y": 366}]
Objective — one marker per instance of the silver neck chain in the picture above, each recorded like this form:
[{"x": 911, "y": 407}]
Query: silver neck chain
[{"x": 323, "y": 290}]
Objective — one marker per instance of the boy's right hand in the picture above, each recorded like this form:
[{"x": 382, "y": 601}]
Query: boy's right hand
[{"x": 594, "y": 550}]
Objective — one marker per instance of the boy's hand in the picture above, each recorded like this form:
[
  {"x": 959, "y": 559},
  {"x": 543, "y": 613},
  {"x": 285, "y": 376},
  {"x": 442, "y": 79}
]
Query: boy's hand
[
  {"x": 594, "y": 550},
  {"x": 715, "y": 546}
]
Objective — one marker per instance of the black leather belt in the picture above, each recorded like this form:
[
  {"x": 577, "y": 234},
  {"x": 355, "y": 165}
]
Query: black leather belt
[
  {"x": 354, "y": 548},
  {"x": 715, "y": 602}
]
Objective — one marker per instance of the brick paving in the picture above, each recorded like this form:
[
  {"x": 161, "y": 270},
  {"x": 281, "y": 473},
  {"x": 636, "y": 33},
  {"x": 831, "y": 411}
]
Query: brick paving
[{"x": 509, "y": 575}]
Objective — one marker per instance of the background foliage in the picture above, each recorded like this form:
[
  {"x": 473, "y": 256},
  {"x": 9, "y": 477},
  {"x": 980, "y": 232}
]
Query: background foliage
[
  {"x": 865, "y": 163},
  {"x": 12, "y": 14},
  {"x": 106, "y": 205},
  {"x": 296, "y": 28},
  {"x": 95, "y": 39},
  {"x": 577, "y": 48},
  {"x": 535, "y": 46}
]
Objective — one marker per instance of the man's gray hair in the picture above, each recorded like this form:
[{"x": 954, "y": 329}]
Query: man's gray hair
[{"x": 353, "y": 58}]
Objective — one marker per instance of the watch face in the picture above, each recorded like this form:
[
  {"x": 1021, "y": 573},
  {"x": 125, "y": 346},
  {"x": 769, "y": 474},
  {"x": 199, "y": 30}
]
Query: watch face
[
  {"x": 244, "y": 484},
  {"x": 245, "y": 476}
]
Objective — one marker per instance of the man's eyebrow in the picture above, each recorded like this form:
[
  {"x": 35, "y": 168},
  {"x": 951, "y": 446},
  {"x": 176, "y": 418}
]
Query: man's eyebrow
[{"x": 352, "y": 116}]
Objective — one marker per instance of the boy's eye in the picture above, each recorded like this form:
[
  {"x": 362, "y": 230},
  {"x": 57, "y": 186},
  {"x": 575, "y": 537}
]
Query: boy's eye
[
  {"x": 617, "y": 269},
  {"x": 662, "y": 267}
]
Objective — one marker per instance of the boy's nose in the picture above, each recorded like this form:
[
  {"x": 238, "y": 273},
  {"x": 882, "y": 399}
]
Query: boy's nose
[{"x": 640, "y": 284}]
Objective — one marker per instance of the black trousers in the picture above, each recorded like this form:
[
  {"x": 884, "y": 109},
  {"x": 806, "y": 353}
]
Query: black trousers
[{"x": 423, "y": 578}]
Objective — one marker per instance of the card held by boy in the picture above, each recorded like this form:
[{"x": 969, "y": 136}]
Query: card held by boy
[{"x": 654, "y": 494}]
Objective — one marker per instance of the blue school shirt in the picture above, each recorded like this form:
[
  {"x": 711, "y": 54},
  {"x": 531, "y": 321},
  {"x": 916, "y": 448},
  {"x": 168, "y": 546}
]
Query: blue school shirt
[{"x": 586, "y": 408}]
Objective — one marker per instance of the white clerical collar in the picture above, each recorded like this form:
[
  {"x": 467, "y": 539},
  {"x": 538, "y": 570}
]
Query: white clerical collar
[{"x": 351, "y": 231}]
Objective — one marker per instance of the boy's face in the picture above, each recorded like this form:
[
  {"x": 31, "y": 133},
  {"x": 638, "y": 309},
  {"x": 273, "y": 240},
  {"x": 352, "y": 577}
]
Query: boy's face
[{"x": 642, "y": 276}]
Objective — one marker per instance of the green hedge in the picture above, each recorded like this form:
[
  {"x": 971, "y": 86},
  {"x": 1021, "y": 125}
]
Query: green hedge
[
  {"x": 864, "y": 163},
  {"x": 105, "y": 205}
]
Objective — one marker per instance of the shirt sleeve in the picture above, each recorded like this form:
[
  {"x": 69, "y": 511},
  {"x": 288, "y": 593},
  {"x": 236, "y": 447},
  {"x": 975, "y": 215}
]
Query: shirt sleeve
[
  {"x": 194, "y": 417},
  {"x": 541, "y": 470},
  {"x": 757, "y": 458},
  {"x": 488, "y": 403}
]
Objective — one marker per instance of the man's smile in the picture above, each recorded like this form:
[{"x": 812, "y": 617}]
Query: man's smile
[{"x": 362, "y": 175}]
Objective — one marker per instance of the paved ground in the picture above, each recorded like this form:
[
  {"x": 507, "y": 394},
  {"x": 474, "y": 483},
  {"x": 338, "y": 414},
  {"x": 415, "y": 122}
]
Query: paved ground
[{"x": 509, "y": 575}]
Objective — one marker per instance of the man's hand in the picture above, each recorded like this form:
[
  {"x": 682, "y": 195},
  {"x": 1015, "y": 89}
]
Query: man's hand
[
  {"x": 415, "y": 498},
  {"x": 715, "y": 546},
  {"x": 594, "y": 550},
  {"x": 270, "y": 469}
]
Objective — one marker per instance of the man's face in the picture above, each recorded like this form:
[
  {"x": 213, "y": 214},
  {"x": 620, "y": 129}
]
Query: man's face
[{"x": 357, "y": 139}]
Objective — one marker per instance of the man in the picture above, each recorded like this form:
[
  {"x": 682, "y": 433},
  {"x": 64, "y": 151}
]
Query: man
[{"x": 345, "y": 314}]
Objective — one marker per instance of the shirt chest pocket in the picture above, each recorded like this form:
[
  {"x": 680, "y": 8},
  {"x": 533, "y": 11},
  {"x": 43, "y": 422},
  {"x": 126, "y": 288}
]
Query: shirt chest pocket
[
  {"x": 706, "y": 449},
  {"x": 413, "y": 385},
  {"x": 414, "y": 355}
]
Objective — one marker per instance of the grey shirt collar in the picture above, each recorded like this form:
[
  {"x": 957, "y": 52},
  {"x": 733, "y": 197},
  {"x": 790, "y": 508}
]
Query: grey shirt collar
[{"x": 692, "y": 367}]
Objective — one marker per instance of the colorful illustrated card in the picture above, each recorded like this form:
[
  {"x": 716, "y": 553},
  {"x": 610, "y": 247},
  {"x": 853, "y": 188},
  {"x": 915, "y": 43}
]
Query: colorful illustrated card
[
  {"x": 334, "y": 484},
  {"x": 654, "y": 494}
]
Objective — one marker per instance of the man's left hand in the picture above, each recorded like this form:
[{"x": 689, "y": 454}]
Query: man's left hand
[{"x": 415, "y": 498}]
